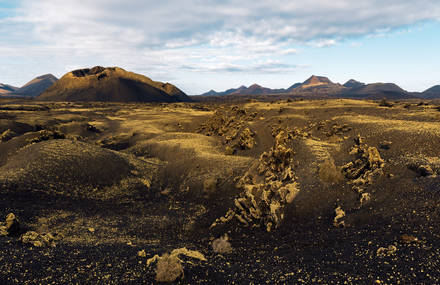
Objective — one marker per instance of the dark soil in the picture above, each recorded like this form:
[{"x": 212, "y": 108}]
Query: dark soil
[{"x": 130, "y": 177}]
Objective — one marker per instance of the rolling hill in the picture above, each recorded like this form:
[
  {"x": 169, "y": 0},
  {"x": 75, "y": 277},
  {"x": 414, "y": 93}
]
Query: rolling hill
[
  {"x": 431, "y": 93},
  {"x": 377, "y": 91},
  {"x": 111, "y": 84}
]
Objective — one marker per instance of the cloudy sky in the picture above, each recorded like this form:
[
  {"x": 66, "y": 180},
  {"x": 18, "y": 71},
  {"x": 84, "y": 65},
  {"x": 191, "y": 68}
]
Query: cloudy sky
[{"x": 212, "y": 44}]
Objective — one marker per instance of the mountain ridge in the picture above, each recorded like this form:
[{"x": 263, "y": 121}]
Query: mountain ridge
[
  {"x": 36, "y": 86},
  {"x": 6, "y": 88}
]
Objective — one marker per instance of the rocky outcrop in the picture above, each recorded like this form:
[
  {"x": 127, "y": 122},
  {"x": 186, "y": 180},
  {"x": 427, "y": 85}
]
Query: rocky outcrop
[
  {"x": 367, "y": 165},
  {"x": 39, "y": 240},
  {"x": 231, "y": 124},
  {"x": 11, "y": 225},
  {"x": 267, "y": 188},
  {"x": 424, "y": 166},
  {"x": 338, "y": 221}
]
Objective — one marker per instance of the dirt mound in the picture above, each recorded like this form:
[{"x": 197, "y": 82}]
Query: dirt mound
[
  {"x": 14, "y": 126},
  {"x": 63, "y": 165},
  {"x": 111, "y": 84}
]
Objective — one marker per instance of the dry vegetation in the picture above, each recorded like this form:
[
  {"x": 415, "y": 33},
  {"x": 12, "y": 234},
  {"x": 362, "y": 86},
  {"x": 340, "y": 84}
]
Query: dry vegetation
[{"x": 307, "y": 191}]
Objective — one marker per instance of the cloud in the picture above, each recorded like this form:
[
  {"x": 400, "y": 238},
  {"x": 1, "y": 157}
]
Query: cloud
[
  {"x": 175, "y": 23},
  {"x": 215, "y": 35},
  {"x": 264, "y": 67},
  {"x": 324, "y": 43}
]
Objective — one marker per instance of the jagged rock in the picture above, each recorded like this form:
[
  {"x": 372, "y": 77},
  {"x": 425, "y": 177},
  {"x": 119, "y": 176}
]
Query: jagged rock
[
  {"x": 39, "y": 240},
  {"x": 169, "y": 266},
  {"x": 267, "y": 188},
  {"x": 386, "y": 251},
  {"x": 367, "y": 165},
  {"x": 246, "y": 140},
  {"x": 11, "y": 225},
  {"x": 142, "y": 253},
  {"x": 339, "y": 216},
  {"x": 232, "y": 127},
  {"x": 365, "y": 198}
]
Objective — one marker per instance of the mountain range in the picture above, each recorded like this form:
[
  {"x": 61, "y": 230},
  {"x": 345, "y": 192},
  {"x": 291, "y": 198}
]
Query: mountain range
[
  {"x": 116, "y": 84},
  {"x": 320, "y": 85}
]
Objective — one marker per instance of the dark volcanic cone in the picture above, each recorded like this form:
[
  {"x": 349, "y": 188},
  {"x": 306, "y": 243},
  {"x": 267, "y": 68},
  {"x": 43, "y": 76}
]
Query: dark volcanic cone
[{"x": 112, "y": 84}]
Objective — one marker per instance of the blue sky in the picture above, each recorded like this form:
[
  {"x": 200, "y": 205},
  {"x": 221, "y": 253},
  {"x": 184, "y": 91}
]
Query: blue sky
[{"x": 212, "y": 44}]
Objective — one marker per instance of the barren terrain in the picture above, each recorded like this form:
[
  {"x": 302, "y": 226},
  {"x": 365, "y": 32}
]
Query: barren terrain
[{"x": 307, "y": 191}]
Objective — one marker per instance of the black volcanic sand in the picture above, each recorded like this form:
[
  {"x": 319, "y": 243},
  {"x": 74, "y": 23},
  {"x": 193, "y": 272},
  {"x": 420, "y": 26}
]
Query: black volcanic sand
[{"x": 114, "y": 179}]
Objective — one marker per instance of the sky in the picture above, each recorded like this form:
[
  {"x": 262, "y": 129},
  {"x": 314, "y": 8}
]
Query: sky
[{"x": 200, "y": 45}]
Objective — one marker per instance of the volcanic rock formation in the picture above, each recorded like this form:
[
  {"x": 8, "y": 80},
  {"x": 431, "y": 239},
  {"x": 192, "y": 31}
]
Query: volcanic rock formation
[{"x": 111, "y": 84}]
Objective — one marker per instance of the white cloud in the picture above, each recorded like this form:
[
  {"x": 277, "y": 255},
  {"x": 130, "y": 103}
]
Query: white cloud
[
  {"x": 324, "y": 43},
  {"x": 160, "y": 23},
  {"x": 208, "y": 35}
]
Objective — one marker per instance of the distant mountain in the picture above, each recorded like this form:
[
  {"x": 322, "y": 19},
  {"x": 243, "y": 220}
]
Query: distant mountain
[
  {"x": 254, "y": 89},
  {"x": 314, "y": 81},
  {"x": 377, "y": 91},
  {"x": 111, "y": 84},
  {"x": 323, "y": 87},
  {"x": 353, "y": 84},
  {"x": 6, "y": 89},
  {"x": 36, "y": 86},
  {"x": 318, "y": 85},
  {"x": 431, "y": 93},
  {"x": 293, "y": 86},
  {"x": 211, "y": 93}
]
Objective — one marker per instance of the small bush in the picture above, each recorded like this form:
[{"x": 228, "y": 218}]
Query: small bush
[
  {"x": 168, "y": 268},
  {"x": 329, "y": 173},
  {"x": 221, "y": 245}
]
